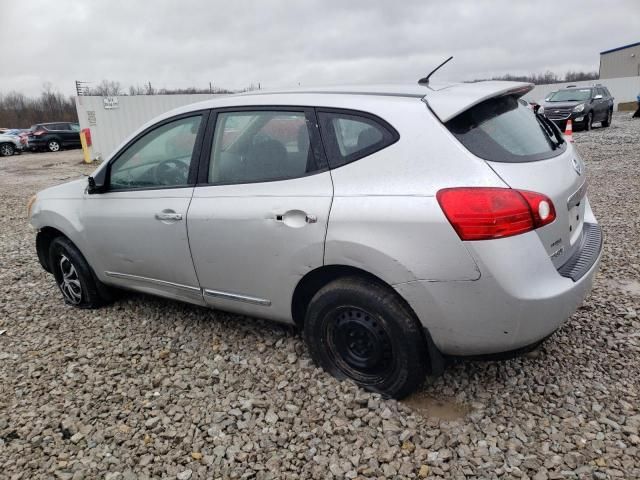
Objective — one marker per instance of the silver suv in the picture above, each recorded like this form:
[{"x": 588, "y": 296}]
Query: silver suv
[{"x": 395, "y": 225}]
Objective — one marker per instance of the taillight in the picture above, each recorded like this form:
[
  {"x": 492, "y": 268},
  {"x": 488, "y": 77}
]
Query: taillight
[{"x": 482, "y": 213}]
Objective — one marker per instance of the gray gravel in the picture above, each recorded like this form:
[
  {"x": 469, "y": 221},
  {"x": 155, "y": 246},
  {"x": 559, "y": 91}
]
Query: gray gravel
[{"x": 148, "y": 388}]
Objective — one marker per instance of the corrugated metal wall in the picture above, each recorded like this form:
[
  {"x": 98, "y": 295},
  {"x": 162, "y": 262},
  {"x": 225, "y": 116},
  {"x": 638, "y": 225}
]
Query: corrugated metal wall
[
  {"x": 621, "y": 63},
  {"x": 622, "y": 89},
  {"x": 109, "y": 127}
]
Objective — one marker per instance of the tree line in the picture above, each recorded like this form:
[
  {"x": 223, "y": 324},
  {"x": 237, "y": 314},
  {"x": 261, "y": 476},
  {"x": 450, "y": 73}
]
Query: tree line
[
  {"x": 547, "y": 77},
  {"x": 18, "y": 110}
]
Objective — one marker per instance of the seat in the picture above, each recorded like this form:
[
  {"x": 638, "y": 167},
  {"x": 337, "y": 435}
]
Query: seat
[{"x": 266, "y": 160}]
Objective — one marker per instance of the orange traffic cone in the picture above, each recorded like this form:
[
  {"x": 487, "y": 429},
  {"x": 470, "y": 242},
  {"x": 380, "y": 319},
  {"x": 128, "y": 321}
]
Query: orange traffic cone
[{"x": 568, "y": 132}]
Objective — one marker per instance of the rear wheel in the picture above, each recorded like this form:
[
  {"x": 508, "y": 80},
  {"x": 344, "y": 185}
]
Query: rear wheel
[
  {"x": 54, "y": 145},
  {"x": 6, "y": 150},
  {"x": 607, "y": 121},
  {"x": 73, "y": 275},
  {"x": 357, "y": 329}
]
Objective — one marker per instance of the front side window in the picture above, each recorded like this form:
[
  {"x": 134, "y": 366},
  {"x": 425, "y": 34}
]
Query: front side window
[
  {"x": 503, "y": 130},
  {"x": 160, "y": 158},
  {"x": 261, "y": 146},
  {"x": 349, "y": 137}
]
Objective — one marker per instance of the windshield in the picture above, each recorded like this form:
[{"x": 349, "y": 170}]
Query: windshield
[
  {"x": 503, "y": 130},
  {"x": 571, "y": 95}
]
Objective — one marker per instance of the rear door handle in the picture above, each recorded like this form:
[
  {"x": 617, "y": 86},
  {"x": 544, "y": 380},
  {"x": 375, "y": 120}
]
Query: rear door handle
[
  {"x": 168, "y": 216},
  {"x": 295, "y": 218}
]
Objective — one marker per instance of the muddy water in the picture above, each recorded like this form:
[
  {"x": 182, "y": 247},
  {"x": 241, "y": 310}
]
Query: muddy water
[
  {"x": 441, "y": 408},
  {"x": 631, "y": 287}
]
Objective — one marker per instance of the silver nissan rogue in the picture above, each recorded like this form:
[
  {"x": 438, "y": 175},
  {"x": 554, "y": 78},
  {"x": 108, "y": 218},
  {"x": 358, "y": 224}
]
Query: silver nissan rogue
[{"x": 394, "y": 226}]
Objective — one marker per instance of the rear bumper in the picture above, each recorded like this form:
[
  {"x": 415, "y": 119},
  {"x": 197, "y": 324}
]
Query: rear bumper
[{"x": 520, "y": 298}]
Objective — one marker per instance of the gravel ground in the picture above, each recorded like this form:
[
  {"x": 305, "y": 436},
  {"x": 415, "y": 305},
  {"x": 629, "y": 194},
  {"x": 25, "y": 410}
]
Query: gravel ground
[{"x": 148, "y": 388}]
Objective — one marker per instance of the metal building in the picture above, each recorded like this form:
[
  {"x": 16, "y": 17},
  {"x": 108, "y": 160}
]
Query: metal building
[
  {"x": 112, "y": 119},
  {"x": 620, "y": 62}
]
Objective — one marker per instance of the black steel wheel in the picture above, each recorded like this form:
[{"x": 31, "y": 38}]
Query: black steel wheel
[
  {"x": 358, "y": 343},
  {"x": 359, "y": 329}
]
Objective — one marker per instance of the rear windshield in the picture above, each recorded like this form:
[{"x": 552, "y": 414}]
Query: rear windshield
[{"x": 503, "y": 130}]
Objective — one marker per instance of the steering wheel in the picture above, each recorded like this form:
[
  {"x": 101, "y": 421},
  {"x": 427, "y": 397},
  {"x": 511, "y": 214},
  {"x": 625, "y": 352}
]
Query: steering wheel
[{"x": 171, "y": 172}]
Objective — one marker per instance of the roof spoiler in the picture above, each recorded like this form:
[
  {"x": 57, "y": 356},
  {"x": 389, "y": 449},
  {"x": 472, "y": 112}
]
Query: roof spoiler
[{"x": 450, "y": 102}]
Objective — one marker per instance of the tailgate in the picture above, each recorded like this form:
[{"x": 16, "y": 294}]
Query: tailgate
[
  {"x": 562, "y": 179},
  {"x": 528, "y": 153}
]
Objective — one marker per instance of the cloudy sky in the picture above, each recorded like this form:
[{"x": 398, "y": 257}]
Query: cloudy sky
[{"x": 176, "y": 44}]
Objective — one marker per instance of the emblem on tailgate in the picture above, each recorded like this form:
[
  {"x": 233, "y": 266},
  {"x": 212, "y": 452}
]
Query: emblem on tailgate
[{"x": 577, "y": 166}]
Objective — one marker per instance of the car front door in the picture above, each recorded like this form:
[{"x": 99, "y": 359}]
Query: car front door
[
  {"x": 600, "y": 107},
  {"x": 137, "y": 228},
  {"x": 258, "y": 217}
]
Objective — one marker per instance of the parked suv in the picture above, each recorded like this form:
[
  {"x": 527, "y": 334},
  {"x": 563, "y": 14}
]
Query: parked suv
[
  {"x": 583, "y": 105},
  {"x": 54, "y": 136},
  {"x": 392, "y": 225}
]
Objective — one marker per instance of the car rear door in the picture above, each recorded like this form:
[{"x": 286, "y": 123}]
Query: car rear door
[{"x": 258, "y": 216}]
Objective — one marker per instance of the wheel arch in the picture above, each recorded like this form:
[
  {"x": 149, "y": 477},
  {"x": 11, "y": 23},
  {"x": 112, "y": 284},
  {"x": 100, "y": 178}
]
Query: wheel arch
[{"x": 45, "y": 236}]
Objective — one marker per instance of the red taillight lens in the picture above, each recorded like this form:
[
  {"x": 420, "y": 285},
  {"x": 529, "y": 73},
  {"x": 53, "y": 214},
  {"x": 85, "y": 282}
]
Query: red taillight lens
[{"x": 482, "y": 213}]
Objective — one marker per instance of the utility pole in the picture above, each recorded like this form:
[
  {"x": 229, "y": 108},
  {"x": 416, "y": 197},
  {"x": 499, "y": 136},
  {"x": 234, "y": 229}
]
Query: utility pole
[{"x": 210, "y": 88}]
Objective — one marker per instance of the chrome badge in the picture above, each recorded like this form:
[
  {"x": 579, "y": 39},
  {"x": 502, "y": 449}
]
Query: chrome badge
[{"x": 577, "y": 166}]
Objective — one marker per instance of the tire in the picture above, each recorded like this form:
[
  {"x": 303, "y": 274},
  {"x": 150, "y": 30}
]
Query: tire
[
  {"x": 73, "y": 275},
  {"x": 588, "y": 121},
  {"x": 6, "y": 150},
  {"x": 357, "y": 329},
  {"x": 54, "y": 145},
  {"x": 607, "y": 121}
]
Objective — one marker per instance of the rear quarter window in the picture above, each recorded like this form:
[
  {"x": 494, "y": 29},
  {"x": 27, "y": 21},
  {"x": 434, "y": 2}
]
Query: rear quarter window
[
  {"x": 503, "y": 130},
  {"x": 349, "y": 136}
]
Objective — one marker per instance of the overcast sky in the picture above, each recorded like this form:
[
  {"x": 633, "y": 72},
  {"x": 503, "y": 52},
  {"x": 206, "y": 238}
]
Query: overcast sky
[{"x": 176, "y": 44}]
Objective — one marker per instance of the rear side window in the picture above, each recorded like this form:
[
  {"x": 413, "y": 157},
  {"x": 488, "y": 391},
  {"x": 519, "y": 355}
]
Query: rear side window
[
  {"x": 349, "y": 136},
  {"x": 502, "y": 130}
]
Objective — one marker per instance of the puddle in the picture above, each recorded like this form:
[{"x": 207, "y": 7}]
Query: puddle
[
  {"x": 443, "y": 409},
  {"x": 632, "y": 287}
]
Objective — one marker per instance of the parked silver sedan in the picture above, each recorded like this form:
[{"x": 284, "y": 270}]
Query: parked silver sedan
[{"x": 394, "y": 225}]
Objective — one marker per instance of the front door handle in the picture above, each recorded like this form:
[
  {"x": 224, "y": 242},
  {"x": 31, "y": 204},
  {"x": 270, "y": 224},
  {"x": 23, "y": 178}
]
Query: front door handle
[{"x": 168, "y": 216}]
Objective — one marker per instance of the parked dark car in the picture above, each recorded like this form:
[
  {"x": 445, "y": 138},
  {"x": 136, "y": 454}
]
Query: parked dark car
[
  {"x": 54, "y": 136},
  {"x": 583, "y": 105}
]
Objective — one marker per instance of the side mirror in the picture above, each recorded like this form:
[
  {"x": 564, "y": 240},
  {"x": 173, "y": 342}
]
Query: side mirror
[
  {"x": 97, "y": 183},
  {"x": 597, "y": 97}
]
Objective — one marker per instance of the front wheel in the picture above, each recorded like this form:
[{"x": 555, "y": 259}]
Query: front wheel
[
  {"x": 54, "y": 145},
  {"x": 6, "y": 150},
  {"x": 73, "y": 275},
  {"x": 357, "y": 329},
  {"x": 607, "y": 122}
]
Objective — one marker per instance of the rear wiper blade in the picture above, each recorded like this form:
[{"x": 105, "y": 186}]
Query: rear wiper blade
[
  {"x": 547, "y": 131},
  {"x": 554, "y": 128}
]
